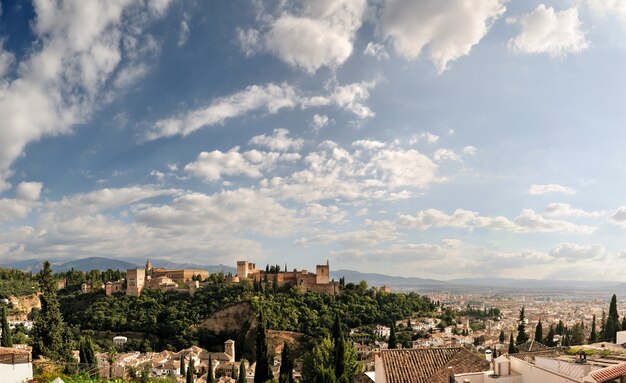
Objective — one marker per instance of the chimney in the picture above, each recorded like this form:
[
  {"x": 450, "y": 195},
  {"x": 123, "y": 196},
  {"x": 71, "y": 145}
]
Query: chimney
[{"x": 488, "y": 355}]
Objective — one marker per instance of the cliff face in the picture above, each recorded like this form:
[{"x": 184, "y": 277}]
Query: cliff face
[{"x": 22, "y": 306}]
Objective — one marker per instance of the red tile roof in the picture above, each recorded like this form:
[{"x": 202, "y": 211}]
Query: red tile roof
[
  {"x": 429, "y": 364},
  {"x": 609, "y": 373}
]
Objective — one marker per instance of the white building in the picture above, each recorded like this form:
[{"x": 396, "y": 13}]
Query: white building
[
  {"x": 15, "y": 365},
  {"x": 382, "y": 331}
]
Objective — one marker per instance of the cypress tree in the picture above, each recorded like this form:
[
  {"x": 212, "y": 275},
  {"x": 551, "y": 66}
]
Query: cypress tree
[
  {"x": 549, "y": 341},
  {"x": 190, "y": 371},
  {"x": 593, "y": 338},
  {"x": 393, "y": 342},
  {"x": 183, "y": 372},
  {"x": 602, "y": 324},
  {"x": 501, "y": 337},
  {"x": 86, "y": 352},
  {"x": 522, "y": 337},
  {"x": 262, "y": 372},
  {"x": 49, "y": 330},
  {"x": 560, "y": 328},
  {"x": 242, "y": 372},
  {"x": 6, "y": 330},
  {"x": 211, "y": 375},
  {"x": 286, "y": 365},
  {"x": 512, "y": 348},
  {"x": 612, "y": 322},
  {"x": 340, "y": 348},
  {"x": 539, "y": 332},
  {"x": 623, "y": 323}
]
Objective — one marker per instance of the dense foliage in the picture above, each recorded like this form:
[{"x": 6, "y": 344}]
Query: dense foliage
[
  {"x": 169, "y": 315},
  {"x": 16, "y": 283}
]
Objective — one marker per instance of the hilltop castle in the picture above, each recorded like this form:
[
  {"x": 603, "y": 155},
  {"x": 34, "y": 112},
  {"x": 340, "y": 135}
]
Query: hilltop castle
[{"x": 317, "y": 282}]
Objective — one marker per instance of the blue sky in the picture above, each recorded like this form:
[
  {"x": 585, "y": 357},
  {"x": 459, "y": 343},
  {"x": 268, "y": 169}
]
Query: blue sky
[{"x": 424, "y": 138}]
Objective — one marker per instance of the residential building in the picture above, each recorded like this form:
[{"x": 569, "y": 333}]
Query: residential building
[{"x": 15, "y": 365}]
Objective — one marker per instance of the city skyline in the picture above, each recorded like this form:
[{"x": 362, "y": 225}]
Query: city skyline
[{"x": 431, "y": 139}]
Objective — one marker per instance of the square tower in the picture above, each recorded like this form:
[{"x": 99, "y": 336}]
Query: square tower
[
  {"x": 242, "y": 269},
  {"x": 322, "y": 274},
  {"x": 135, "y": 281}
]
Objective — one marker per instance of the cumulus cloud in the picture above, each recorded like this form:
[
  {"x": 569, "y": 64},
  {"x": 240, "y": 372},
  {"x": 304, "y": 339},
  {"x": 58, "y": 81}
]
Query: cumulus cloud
[
  {"x": 566, "y": 210},
  {"x": 550, "y": 188},
  {"x": 314, "y": 35},
  {"x": 469, "y": 150},
  {"x": 546, "y": 31},
  {"x": 447, "y": 29},
  {"x": 619, "y": 217},
  {"x": 212, "y": 166},
  {"x": 183, "y": 34},
  {"x": 320, "y": 121},
  {"x": 446, "y": 155},
  {"x": 28, "y": 191},
  {"x": 278, "y": 141},
  {"x": 614, "y": 8},
  {"x": 574, "y": 252},
  {"x": 376, "y": 50},
  {"x": 271, "y": 98},
  {"x": 429, "y": 137},
  {"x": 64, "y": 76},
  {"x": 527, "y": 222}
]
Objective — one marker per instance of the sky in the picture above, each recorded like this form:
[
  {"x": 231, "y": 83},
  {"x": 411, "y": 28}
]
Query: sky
[{"x": 429, "y": 138}]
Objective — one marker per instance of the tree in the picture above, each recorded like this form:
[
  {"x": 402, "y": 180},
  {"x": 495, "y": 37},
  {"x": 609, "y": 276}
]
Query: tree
[
  {"x": 549, "y": 340},
  {"x": 560, "y": 328},
  {"x": 602, "y": 323},
  {"x": 501, "y": 337},
  {"x": 190, "y": 371},
  {"x": 522, "y": 337},
  {"x": 612, "y": 321},
  {"x": 183, "y": 372},
  {"x": 6, "y": 340},
  {"x": 340, "y": 348},
  {"x": 593, "y": 337},
  {"x": 577, "y": 335},
  {"x": 262, "y": 371},
  {"x": 512, "y": 348},
  {"x": 211, "y": 374},
  {"x": 539, "y": 332},
  {"x": 242, "y": 372},
  {"x": 393, "y": 342},
  {"x": 623, "y": 323},
  {"x": 49, "y": 330},
  {"x": 286, "y": 365},
  {"x": 86, "y": 352}
]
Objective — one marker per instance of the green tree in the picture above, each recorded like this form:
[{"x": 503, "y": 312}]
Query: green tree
[
  {"x": 242, "y": 372},
  {"x": 539, "y": 332},
  {"x": 577, "y": 335},
  {"x": 211, "y": 374},
  {"x": 183, "y": 371},
  {"x": 49, "y": 330},
  {"x": 86, "y": 352},
  {"x": 549, "y": 340},
  {"x": 560, "y": 328},
  {"x": 340, "y": 348},
  {"x": 393, "y": 341},
  {"x": 522, "y": 337},
  {"x": 286, "y": 365},
  {"x": 593, "y": 337},
  {"x": 233, "y": 373},
  {"x": 623, "y": 323},
  {"x": 190, "y": 371},
  {"x": 512, "y": 348},
  {"x": 501, "y": 337},
  {"x": 6, "y": 340},
  {"x": 262, "y": 371}
]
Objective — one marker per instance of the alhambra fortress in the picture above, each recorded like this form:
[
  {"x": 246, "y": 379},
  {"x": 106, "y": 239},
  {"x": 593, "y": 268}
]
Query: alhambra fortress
[{"x": 190, "y": 280}]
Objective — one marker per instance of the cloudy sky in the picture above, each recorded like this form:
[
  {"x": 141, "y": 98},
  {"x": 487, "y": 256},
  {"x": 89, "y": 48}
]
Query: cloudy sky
[{"x": 430, "y": 138}]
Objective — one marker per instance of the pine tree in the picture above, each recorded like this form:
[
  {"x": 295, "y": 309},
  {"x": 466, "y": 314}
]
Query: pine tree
[
  {"x": 49, "y": 331},
  {"x": 539, "y": 332},
  {"x": 549, "y": 341},
  {"x": 522, "y": 337},
  {"x": 393, "y": 342},
  {"x": 593, "y": 337},
  {"x": 6, "y": 330},
  {"x": 501, "y": 337},
  {"x": 183, "y": 371},
  {"x": 286, "y": 365},
  {"x": 242, "y": 372},
  {"x": 262, "y": 372},
  {"x": 512, "y": 348}
]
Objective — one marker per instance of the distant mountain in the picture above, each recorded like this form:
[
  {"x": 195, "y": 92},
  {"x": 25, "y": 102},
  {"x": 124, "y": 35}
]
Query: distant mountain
[
  {"x": 375, "y": 279},
  {"x": 27, "y": 265},
  {"x": 94, "y": 263},
  {"x": 211, "y": 268}
]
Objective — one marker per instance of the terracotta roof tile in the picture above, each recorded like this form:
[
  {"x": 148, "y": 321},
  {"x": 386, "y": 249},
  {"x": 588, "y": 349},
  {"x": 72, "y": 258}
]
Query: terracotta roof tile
[
  {"x": 429, "y": 364},
  {"x": 609, "y": 373}
]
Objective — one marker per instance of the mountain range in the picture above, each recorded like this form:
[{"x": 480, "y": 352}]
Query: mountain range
[{"x": 373, "y": 279}]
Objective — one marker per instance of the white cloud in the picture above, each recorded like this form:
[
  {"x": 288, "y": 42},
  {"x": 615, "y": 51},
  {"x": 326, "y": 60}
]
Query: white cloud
[
  {"x": 448, "y": 29},
  {"x": 429, "y": 137},
  {"x": 550, "y": 188},
  {"x": 28, "y": 191},
  {"x": 405, "y": 167},
  {"x": 376, "y": 50},
  {"x": 183, "y": 34},
  {"x": 546, "y": 31},
  {"x": 369, "y": 144},
  {"x": 446, "y": 155},
  {"x": 320, "y": 121},
  {"x": 616, "y": 8},
  {"x": 249, "y": 41},
  {"x": 6, "y": 58},
  {"x": 212, "y": 166},
  {"x": 619, "y": 217},
  {"x": 271, "y": 97},
  {"x": 566, "y": 210},
  {"x": 79, "y": 48},
  {"x": 527, "y": 222},
  {"x": 278, "y": 141},
  {"x": 469, "y": 150},
  {"x": 373, "y": 235},
  {"x": 319, "y": 34},
  {"x": 574, "y": 252},
  {"x": 330, "y": 214}
]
